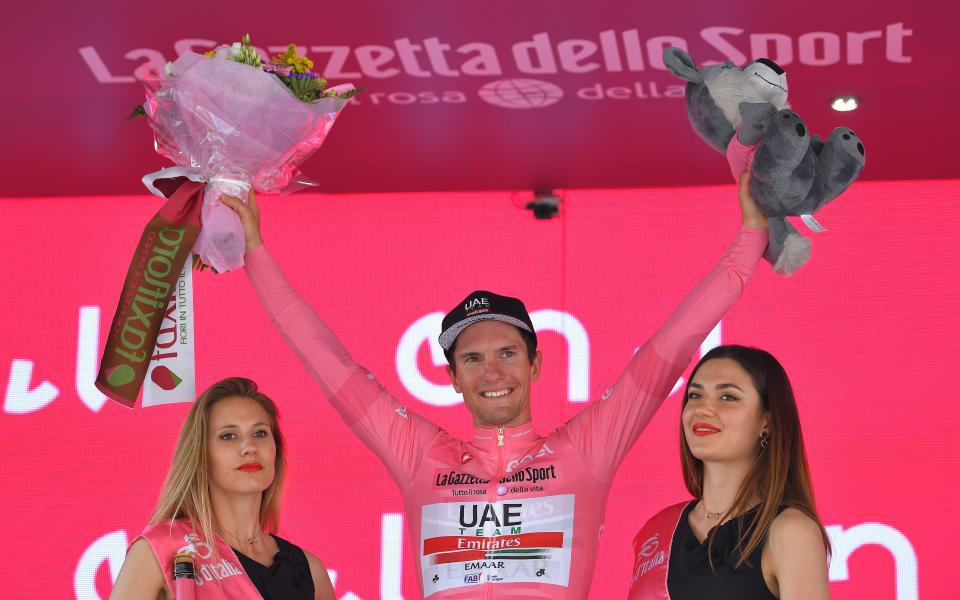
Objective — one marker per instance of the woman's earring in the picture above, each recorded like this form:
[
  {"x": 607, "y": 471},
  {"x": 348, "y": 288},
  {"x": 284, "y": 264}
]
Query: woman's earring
[{"x": 764, "y": 439}]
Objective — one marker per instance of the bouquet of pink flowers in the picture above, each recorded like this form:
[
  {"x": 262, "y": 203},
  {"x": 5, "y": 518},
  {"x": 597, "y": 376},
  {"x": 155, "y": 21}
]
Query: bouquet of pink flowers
[
  {"x": 233, "y": 120},
  {"x": 230, "y": 121}
]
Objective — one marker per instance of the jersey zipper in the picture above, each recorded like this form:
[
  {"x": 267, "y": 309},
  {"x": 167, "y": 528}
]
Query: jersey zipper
[{"x": 496, "y": 481}]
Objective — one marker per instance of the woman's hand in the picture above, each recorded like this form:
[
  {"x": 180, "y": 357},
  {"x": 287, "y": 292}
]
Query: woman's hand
[
  {"x": 749, "y": 211},
  {"x": 249, "y": 215}
]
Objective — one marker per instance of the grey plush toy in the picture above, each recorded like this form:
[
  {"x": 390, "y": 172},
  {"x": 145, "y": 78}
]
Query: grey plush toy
[{"x": 792, "y": 173}]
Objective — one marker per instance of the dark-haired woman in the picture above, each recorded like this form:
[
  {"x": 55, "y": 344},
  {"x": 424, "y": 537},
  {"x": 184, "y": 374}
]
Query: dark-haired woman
[{"x": 752, "y": 531}]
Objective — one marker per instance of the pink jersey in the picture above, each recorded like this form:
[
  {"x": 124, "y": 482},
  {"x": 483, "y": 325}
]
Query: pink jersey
[
  {"x": 218, "y": 575},
  {"x": 739, "y": 157},
  {"x": 510, "y": 513}
]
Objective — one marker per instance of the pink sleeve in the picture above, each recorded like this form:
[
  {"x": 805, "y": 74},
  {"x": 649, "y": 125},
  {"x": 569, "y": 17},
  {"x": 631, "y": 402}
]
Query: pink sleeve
[
  {"x": 606, "y": 430},
  {"x": 739, "y": 157},
  {"x": 398, "y": 436}
]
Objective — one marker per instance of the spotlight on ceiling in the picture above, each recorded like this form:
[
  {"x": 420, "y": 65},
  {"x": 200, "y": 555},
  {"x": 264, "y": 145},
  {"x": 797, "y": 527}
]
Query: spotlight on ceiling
[{"x": 845, "y": 103}]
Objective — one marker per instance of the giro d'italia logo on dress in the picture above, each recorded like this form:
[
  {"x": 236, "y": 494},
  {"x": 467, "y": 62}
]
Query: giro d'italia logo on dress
[
  {"x": 520, "y": 93},
  {"x": 649, "y": 546}
]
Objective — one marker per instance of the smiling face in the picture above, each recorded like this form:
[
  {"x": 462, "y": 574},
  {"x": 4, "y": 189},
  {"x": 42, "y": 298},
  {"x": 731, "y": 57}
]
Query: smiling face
[
  {"x": 241, "y": 449},
  {"x": 494, "y": 373},
  {"x": 723, "y": 417}
]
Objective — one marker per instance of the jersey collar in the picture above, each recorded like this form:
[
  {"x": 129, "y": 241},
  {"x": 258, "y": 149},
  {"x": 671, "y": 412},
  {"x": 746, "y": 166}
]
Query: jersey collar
[{"x": 520, "y": 435}]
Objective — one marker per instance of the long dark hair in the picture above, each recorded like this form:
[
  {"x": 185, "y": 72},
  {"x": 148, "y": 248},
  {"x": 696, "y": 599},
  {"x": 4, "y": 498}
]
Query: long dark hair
[{"x": 780, "y": 475}]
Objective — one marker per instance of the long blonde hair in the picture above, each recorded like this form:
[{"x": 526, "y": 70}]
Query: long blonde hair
[
  {"x": 186, "y": 491},
  {"x": 780, "y": 475}
]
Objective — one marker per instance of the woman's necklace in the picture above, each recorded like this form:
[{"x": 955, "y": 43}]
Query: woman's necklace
[
  {"x": 254, "y": 539},
  {"x": 713, "y": 516}
]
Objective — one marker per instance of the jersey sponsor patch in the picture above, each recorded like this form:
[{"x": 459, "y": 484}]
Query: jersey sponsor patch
[{"x": 525, "y": 540}]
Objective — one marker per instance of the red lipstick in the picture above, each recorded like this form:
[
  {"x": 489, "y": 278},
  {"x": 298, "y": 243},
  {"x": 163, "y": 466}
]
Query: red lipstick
[{"x": 704, "y": 429}]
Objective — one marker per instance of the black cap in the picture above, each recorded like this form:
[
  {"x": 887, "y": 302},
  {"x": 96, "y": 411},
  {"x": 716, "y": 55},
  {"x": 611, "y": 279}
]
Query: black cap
[{"x": 483, "y": 306}]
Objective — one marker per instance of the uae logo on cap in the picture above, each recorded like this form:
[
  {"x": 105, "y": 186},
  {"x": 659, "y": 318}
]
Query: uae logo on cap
[{"x": 481, "y": 302}]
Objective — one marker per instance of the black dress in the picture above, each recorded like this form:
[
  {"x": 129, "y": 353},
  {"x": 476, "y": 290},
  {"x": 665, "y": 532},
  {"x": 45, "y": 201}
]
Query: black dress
[
  {"x": 287, "y": 578},
  {"x": 690, "y": 576}
]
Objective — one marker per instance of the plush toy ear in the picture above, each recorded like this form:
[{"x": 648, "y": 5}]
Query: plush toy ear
[
  {"x": 681, "y": 65},
  {"x": 755, "y": 116}
]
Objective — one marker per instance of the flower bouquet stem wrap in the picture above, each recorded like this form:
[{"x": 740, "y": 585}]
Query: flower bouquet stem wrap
[{"x": 151, "y": 280}]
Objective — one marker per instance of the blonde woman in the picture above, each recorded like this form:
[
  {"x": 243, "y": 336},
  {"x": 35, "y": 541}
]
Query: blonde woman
[{"x": 221, "y": 504}]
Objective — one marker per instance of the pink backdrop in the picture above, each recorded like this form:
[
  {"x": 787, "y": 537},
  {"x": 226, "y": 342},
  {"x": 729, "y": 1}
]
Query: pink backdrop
[{"x": 867, "y": 331}]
